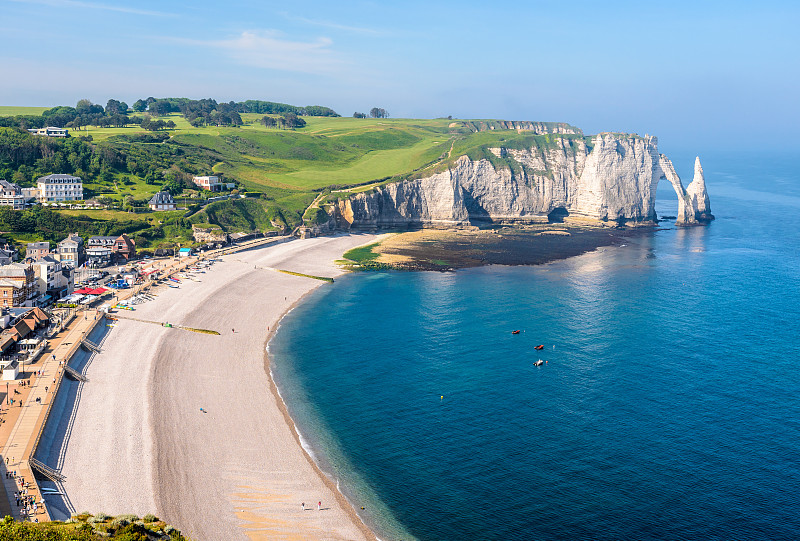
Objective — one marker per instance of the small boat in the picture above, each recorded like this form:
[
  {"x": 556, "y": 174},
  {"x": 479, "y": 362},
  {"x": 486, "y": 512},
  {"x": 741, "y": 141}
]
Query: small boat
[
  {"x": 514, "y": 332},
  {"x": 539, "y": 347},
  {"x": 538, "y": 363}
]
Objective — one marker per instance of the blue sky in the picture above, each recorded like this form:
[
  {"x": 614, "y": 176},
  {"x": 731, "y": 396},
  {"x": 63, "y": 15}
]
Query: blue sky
[{"x": 689, "y": 72}]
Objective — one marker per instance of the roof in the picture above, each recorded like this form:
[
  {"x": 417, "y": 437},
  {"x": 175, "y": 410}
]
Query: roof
[
  {"x": 13, "y": 269},
  {"x": 72, "y": 237},
  {"x": 22, "y": 328},
  {"x": 46, "y": 259},
  {"x": 57, "y": 177},
  {"x": 38, "y": 245},
  {"x": 9, "y": 186},
  {"x": 90, "y": 291},
  {"x": 162, "y": 198}
]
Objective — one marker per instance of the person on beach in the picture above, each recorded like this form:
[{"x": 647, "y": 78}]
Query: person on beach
[
  {"x": 319, "y": 506},
  {"x": 303, "y": 506}
]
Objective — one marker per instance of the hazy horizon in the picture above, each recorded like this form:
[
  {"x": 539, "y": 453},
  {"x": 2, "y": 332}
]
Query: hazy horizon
[{"x": 695, "y": 76}]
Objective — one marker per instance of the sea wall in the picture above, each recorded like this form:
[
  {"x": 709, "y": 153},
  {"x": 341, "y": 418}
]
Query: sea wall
[{"x": 609, "y": 177}]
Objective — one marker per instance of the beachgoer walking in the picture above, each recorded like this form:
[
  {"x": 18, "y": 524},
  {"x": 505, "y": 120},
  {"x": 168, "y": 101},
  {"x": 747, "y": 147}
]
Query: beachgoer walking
[
  {"x": 319, "y": 506},
  {"x": 303, "y": 506}
]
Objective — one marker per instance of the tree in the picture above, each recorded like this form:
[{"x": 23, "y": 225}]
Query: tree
[
  {"x": 268, "y": 122},
  {"x": 160, "y": 107},
  {"x": 173, "y": 186},
  {"x": 318, "y": 110},
  {"x": 170, "y": 124},
  {"x": 359, "y": 115},
  {"x": 377, "y": 112},
  {"x": 113, "y": 108},
  {"x": 139, "y": 106},
  {"x": 292, "y": 121},
  {"x": 86, "y": 107},
  {"x": 83, "y": 105},
  {"x": 19, "y": 178}
]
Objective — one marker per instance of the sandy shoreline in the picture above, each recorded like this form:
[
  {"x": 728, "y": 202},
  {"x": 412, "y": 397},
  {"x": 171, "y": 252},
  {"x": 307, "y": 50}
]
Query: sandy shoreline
[{"x": 135, "y": 440}]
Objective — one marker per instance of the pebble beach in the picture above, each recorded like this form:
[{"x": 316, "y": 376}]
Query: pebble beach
[{"x": 190, "y": 426}]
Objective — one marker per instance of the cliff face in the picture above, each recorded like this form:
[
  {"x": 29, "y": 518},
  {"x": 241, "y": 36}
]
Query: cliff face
[
  {"x": 613, "y": 178},
  {"x": 537, "y": 128}
]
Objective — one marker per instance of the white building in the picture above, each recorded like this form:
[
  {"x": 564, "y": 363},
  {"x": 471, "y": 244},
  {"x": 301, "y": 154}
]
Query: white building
[
  {"x": 52, "y": 278},
  {"x": 54, "y": 188},
  {"x": 208, "y": 183},
  {"x": 50, "y": 131},
  {"x": 71, "y": 251},
  {"x": 162, "y": 201},
  {"x": 11, "y": 195}
]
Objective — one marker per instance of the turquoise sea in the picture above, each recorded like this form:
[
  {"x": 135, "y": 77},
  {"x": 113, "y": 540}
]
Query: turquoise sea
[{"x": 668, "y": 407}]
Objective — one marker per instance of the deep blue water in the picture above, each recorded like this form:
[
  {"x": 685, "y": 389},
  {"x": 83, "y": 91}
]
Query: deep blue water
[{"x": 669, "y": 407}]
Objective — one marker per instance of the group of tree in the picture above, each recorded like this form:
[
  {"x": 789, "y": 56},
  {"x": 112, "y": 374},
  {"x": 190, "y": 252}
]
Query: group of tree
[
  {"x": 375, "y": 112},
  {"x": 289, "y": 121},
  {"x": 154, "y": 125},
  {"x": 275, "y": 108},
  {"x": 202, "y": 112}
]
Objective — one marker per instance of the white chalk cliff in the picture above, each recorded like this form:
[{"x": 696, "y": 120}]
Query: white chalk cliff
[{"x": 609, "y": 177}]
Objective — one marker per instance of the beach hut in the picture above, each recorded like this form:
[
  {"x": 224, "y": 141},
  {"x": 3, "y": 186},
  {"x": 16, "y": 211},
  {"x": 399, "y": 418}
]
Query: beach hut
[{"x": 10, "y": 370}]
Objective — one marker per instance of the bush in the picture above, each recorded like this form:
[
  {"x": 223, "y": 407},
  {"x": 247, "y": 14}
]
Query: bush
[
  {"x": 149, "y": 517},
  {"x": 119, "y": 522}
]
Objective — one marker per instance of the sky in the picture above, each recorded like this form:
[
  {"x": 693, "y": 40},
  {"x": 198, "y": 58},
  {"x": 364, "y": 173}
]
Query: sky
[{"x": 694, "y": 73}]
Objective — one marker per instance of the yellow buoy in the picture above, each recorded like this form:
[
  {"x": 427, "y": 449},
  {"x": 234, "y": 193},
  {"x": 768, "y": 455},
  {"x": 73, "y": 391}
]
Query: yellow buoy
[{"x": 442, "y": 398}]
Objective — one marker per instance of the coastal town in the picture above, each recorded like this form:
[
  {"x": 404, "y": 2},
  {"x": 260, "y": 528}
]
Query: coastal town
[{"x": 51, "y": 353}]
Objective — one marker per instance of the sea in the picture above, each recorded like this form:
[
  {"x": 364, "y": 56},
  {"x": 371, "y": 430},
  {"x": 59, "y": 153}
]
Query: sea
[{"x": 667, "y": 406}]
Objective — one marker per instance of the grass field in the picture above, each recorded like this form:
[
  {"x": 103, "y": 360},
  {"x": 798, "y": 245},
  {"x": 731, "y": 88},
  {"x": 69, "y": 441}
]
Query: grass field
[
  {"x": 103, "y": 214},
  {"x": 10, "y": 110},
  {"x": 135, "y": 187}
]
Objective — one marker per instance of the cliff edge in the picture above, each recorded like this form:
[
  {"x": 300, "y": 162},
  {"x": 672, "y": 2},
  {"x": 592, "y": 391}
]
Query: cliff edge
[{"x": 607, "y": 177}]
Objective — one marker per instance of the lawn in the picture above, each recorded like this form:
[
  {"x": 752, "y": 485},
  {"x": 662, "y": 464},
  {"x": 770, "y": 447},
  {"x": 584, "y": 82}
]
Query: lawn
[
  {"x": 136, "y": 187},
  {"x": 11, "y": 110},
  {"x": 105, "y": 214},
  {"x": 342, "y": 151}
]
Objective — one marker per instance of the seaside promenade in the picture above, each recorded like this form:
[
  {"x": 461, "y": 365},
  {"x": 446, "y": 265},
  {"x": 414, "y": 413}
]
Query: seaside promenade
[{"x": 30, "y": 411}]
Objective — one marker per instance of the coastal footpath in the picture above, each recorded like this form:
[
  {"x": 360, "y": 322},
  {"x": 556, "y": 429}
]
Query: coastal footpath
[{"x": 189, "y": 426}]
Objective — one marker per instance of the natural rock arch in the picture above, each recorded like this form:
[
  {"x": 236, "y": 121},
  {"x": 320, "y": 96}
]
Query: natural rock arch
[{"x": 693, "y": 204}]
